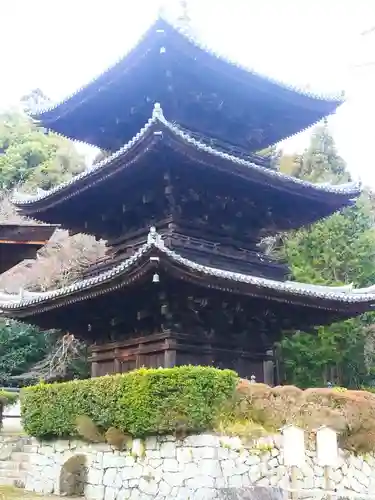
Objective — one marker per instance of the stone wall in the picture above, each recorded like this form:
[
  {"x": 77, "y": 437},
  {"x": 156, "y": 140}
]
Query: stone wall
[
  {"x": 199, "y": 467},
  {"x": 14, "y": 459}
]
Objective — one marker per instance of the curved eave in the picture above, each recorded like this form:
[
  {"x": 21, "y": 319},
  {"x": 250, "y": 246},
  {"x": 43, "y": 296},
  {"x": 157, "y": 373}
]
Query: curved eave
[
  {"x": 27, "y": 234},
  {"x": 159, "y": 128},
  {"x": 154, "y": 255},
  {"x": 316, "y": 105}
]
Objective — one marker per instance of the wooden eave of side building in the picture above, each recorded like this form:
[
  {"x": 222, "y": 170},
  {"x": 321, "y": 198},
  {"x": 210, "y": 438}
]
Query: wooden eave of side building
[
  {"x": 197, "y": 87},
  {"x": 320, "y": 200},
  {"x": 21, "y": 241},
  {"x": 154, "y": 258}
]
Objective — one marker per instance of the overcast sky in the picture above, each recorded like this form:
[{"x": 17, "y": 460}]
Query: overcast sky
[{"x": 59, "y": 45}]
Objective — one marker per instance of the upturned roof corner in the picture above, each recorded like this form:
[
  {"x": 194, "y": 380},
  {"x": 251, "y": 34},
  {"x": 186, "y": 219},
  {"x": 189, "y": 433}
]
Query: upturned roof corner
[{"x": 29, "y": 303}]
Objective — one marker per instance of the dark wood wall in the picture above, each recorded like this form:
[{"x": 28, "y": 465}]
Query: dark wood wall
[{"x": 172, "y": 349}]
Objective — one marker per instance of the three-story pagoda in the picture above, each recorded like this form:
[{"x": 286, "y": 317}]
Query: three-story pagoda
[{"x": 183, "y": 200}]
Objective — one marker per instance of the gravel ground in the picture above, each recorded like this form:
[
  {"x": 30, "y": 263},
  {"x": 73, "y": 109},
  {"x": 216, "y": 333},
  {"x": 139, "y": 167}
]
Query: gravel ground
[{"x": 10, "y": 493}]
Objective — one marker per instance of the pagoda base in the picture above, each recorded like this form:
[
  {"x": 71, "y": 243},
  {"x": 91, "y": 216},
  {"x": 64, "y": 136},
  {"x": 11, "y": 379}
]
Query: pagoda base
[{"x": 170, "y": 349}]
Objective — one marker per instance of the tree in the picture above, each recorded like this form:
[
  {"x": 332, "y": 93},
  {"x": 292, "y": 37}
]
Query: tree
[
  {"x": 64, "y": 358},
  {"x": 290, "y": 164},
  {"x": 20, "y": 347},
  {"x": 321, "y": 161},
  {"x": 32, "y": 157},
  {"x": 59, "y": 262},
  {"x": 273, "y": 154},
  {"x": 334, "y": 251},
  {"x": 34, "y": 100}
]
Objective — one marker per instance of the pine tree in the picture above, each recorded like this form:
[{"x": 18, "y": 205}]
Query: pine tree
[
  {"x": 34, "y": 100},
  {"x": 334, "y": 251},
  {"x": 321, "y": 161},
  {"x": 273, "y": 154}
]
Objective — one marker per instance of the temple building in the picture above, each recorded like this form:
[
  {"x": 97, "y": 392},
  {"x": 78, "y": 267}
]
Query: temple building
[
  {"x": 183, "y": 200},
  {"x": 19, "y": 242}
]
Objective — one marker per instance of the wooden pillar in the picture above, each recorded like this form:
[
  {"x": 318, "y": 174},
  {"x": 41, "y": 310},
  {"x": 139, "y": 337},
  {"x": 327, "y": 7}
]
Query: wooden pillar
[
  {"x": 94, "y": 369},
  {"x": 170, "y": 353},
  {"x": 116, "y": 362},
  {"x": 268, "y": 368},
  {"x": 138, "y": 358},
  {"x": 94, "y": 365}
]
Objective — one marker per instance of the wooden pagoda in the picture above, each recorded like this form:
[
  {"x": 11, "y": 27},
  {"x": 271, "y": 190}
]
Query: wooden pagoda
[
  {"x": 183, "y": 200},
  {"x": 21, "y": 241}
]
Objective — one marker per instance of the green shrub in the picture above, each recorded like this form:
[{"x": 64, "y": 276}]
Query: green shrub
[
  {"x": 141, "y": 402},
  {"x": 8, "y": 398}
]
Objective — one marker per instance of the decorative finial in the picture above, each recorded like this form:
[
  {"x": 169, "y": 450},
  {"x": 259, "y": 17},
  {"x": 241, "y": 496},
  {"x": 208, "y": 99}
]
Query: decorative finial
[
  {"x": 155, "y": 238},
  {"x": 157, "y": 111},
  {"x": 151, "y": 235},
  {"x": 184, "y": 19},
  {"x": 161, "y": 12}
]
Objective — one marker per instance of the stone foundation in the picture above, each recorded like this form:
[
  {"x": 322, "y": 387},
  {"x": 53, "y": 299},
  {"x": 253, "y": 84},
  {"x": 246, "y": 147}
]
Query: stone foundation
[{"x": 199, "y": 467}]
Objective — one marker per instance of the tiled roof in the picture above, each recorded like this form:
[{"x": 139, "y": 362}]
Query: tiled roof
[
  {"x": 343, "y": 294},
  {"x": 161, "y": 25},
  {"x": 155, "y": 125}
]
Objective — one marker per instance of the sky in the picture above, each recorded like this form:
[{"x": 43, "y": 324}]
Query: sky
[{"x": 58, "y": 46}]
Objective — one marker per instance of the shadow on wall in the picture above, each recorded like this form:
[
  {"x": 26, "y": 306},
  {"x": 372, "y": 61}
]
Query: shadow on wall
[
  {"x": 252, "y": 493},
  {"x": 73, "y": 476}
]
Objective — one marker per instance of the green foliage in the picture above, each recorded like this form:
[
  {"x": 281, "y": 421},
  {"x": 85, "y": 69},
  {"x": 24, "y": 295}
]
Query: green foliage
[
  {"x": 141, "y": 402},
  {"x": 20, "y": 347},
  {"x": 273, "y": 154},
  {"x": 36, "y": 159},
  {"x": 335, "y": 251},
  {"x": 289, "y": 164},
  {"x": 321, "y": 161},
  {"x": 334, "y": 353},
  {"x": 8, "y": 398},
  {"x": 32, "y": 157}
]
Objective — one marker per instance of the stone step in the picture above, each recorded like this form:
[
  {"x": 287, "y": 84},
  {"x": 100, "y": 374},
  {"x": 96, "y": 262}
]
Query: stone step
[
  {"x": 6, "y": 467},
  {"x": 20, "y": 456},
  {"x": 9, "y": 481},
  {"x": 12, "y": 476},
  {"x": 29, "y": 448},
  {"x": 13, "y": 466}
]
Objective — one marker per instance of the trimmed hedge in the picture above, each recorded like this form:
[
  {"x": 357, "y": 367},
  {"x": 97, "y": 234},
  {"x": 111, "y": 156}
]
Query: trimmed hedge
[
  {"x": 192, "y": 399},
  {"x": 8, "y": 398},
  {"x": 141, "y": 402}
]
